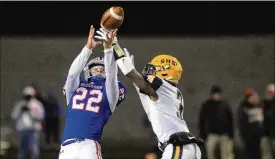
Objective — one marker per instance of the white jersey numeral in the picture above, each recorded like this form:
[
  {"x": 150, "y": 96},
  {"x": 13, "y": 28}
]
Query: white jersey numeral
[
  {"x": 78, "y": 99},
  {"x": 180, "y": 108}
]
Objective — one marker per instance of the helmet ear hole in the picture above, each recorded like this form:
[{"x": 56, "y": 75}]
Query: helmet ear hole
[{"x": 164, "y": 74}]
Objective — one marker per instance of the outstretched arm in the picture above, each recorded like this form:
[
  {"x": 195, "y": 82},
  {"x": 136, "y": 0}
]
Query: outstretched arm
[
  {"x": 144, "y": 86},
  {"x": 124, "y": 62},
  {"x": 78, "y": 64},
  {"x": 112, "y": 89},
  {"x": 111, "y": 85},
  {"x": 76, "y": 68}
]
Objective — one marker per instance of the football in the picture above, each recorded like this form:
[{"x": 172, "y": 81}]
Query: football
[{"x": 112, "y": 18}]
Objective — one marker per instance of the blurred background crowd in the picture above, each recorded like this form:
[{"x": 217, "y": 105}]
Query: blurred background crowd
[
  {"x": 35, "y": 115},
  {"x": 227, "y": 53}
]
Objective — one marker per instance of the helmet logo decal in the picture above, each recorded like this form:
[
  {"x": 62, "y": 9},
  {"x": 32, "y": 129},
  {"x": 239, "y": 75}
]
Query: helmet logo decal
[{"x": 169, "y": 61}]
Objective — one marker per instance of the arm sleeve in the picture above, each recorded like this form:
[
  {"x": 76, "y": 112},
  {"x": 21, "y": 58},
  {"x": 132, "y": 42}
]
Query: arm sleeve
[
  {"x": 76, "y": 68},
  {"x": 16, "y": 111},
  {"x": 112, "y": 89}
]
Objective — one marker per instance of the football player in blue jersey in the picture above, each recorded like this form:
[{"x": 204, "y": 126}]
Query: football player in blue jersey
[{"x": 90, "y": 101}]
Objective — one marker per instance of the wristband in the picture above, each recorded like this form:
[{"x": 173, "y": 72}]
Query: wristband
[{"x": 118, "y": 52}]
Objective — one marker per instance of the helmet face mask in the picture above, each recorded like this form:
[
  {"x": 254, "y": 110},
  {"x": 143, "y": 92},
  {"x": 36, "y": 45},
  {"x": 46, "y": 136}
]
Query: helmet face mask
[
  {"x": 149, "y": 69},
  {"x": 94, "y": 69},
  {"x": 97, "y": 70}
]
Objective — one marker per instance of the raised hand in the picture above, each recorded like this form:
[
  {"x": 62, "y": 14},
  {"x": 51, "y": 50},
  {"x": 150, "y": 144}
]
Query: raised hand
[
  {"x": 91, "y": 43},
  {"x": 127, "y": 53},
  {"x": 107, "y": 38}
]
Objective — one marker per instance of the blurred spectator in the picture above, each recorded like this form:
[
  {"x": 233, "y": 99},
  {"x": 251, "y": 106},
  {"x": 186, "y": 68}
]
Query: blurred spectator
[
  {"x": 250, "y": 118},
  {"x": 28, "y": 114},
  {"x": 269, "y": 123},
  {"x": 52, "y": 119},
  {"x": 38, "y": 94},
  {"x": 153, "y": 152},
  {"x": 216, "y": 125}
]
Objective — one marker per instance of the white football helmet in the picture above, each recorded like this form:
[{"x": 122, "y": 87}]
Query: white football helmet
[{"x": 96, "y": 63}]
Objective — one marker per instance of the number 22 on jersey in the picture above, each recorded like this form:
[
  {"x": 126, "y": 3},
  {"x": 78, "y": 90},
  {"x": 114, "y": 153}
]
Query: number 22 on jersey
[{"x": 81, "y": 102}]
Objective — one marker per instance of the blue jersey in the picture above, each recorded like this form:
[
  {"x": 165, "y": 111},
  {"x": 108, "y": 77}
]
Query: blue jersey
[
  {"x": 90, "y": 104},
  {"x": 88, "y": 111}
]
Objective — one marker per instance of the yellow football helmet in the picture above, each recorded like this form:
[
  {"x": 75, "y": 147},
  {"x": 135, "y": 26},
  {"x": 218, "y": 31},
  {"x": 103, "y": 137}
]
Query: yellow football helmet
[{"x": 166, "y": 67}]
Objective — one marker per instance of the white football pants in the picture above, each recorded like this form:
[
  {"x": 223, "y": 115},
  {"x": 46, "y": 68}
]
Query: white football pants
[
  {"x": 87, "y": 149},
  {"x": 190, "y": 151}
]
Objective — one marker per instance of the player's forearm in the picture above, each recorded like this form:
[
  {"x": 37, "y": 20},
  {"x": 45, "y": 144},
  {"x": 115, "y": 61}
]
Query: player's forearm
[
  {"x": 138, "y": 80},
  {"x": 109, "y": 62},
  {"x": 75, "y": 70},
  {"x": 111, "y": 69},
  {"x": 126, "y": 66},
  {"x": 129, "y": 70},
  {"x": 79, "y": 62}
]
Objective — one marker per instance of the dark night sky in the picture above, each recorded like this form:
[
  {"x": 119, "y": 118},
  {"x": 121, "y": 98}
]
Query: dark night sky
[{"x": 141, "y": 18}]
